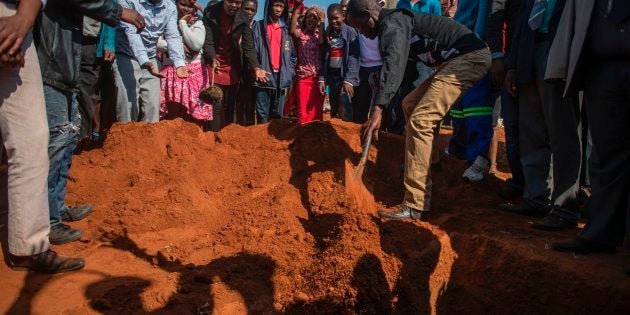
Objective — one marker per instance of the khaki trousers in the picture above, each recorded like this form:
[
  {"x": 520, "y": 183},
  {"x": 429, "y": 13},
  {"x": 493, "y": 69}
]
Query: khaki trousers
[
  {"x": 424, "y": 108},
  {"x": 24, "y": 129}
]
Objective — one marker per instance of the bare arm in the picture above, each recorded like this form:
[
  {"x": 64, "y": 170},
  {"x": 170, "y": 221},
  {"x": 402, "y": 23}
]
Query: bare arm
[{"x": 293, "y": 27}]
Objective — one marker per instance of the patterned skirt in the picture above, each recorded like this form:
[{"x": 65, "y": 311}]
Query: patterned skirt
[{"x": 186, "y": 91}]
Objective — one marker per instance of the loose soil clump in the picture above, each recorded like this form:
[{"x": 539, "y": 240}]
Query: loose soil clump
[{"x": 256, "y": 220}]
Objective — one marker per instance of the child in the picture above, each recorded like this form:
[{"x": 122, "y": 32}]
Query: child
[
  {"x": 276, "y": 56},
  {"x": 228, "y": 50},
  {"x": 308, "y": 38},
  {"x": 341, "y": 64},
  {"x": 178, "y": 93}
]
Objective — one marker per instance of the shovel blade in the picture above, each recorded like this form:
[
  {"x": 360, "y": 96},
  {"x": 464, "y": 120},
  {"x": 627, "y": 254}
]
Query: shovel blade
[{"x": 356, "y": 188}]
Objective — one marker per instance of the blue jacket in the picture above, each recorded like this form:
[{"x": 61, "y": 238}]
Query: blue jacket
[
  {"x": 351, "y": 56},
  {"x": 424, "y": 6},
  {"x": 288, "y": 58},
  {"x": 474, "y": 15}
]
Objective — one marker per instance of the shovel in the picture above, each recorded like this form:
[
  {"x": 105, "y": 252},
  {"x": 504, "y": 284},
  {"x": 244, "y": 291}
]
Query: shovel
[{"x": 355, "y": 186}]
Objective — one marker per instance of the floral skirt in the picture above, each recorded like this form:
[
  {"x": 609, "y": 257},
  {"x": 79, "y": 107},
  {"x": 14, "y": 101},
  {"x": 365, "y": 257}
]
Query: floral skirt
[{"x": 186, "y": 91}]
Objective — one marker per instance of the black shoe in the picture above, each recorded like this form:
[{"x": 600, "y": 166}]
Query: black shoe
[
  {"x": 48, "y": 262},
  {"x": 77, "y": 213},
  {"x": 62, "y": 234},
  {"x": 511, "y": 190},
  {"x": 626, "y": 270},
  {"x": 582, "y": 246},
  {"x": 524, "y": 208},
  {"x": 553, "y": 222},
  {"x": 404, "y": 213}
]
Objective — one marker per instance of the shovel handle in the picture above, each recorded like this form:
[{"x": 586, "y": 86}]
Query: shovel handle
[{"x": 366, "y": 148}]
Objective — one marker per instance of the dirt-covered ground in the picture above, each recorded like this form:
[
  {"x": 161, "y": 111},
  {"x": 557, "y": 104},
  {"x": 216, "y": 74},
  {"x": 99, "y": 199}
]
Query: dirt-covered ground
[{"x": 256, "y": 220}]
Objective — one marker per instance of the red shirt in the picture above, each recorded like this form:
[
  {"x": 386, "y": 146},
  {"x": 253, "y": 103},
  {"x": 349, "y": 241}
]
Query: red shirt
[
  {"x": 274, "y": 35},
  {"x": 228, "y": 71}
]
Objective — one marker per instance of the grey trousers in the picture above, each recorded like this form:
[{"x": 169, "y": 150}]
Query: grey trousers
[
  {"x": 24, "y": 129},
  {"x": 138, "y": 91},
  {"x": 549, "y": 126}
]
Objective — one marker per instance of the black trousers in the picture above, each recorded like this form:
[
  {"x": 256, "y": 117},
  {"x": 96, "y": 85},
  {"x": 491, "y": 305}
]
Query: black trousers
[
  {"x": 607, "y": 101},
  {"x": 89, "y": 87}
]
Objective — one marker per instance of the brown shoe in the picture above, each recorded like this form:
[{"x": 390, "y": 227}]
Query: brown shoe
[{"x": 47, "y": 262}]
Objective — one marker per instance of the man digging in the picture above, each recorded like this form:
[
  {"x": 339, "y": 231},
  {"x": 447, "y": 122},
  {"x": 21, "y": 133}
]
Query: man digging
[{"x": 461, "y": 60}]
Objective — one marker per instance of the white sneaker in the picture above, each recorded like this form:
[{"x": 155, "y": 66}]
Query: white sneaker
[{"x": 477, "y": 170}]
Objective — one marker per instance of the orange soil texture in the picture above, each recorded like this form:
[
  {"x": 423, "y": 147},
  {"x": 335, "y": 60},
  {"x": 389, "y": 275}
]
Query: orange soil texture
[{"x": 256, "y": 220}]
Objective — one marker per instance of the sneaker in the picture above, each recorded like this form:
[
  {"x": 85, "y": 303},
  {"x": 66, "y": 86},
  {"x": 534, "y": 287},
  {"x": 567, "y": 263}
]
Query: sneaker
[
  {"x": 78, "y": 213},
  {"x": 404, "y": 213},
  {"x": 47, "y": 262},
  {"x": 62, "y": 234},
  {"x": 477, "y": 170}
]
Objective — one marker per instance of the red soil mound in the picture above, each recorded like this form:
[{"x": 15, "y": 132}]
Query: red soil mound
[{"x": 256, "y": 220}]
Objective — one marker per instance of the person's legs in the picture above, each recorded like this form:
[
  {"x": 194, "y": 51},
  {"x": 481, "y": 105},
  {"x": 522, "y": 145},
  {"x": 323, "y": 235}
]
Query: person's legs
[
  {"x": 230, "y": 93},
  {"x": 607, "y": 100},
  {"x": 435, "y": 98},
  {"x": 567, "y": 156},
  {"x": 88, "y": 88},
  {"x": 509, "y": 112},
  {"x": 149, "y": 95},
  {"x": 535, "y": 148},
  {"x": 335, "y": 84},
  {"x": 24, "y": 131},
  {"x": 263, "y": 100},
  {"x": 362, "y": 96},
  {"x": 457, "y": 142},
  {"x": 127, "y": 74},
  {"x": 478, "y": 119},
  {"x": 63, "y": 134}
]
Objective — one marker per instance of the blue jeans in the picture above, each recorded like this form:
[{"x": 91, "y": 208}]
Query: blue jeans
[
  {"x": 64, "y": 121},
  {"x": 269, "y": 102},
  {"x": 340, "y": 102}
]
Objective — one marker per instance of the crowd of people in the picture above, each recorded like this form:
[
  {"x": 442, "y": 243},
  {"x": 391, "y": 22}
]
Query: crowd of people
[{"x": 558, "y": 72}]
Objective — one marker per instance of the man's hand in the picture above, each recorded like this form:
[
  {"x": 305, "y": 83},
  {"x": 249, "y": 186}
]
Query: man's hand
[
  {"x": 497, "y": 72},
  {"x": 261, "y": 75},
  {"x": 322, "y": 88},
  {"x": 509, "y": 84},
  {"x": 14, "y": 28},
  {"x": 108, "y": 55},
  {"x": 153, "y": 70},
  {"x": 349, "y": 89},
  {"x": 373, "y": 124},
  {"x": 133, "y": 17},
  {"x": 183, "y": 72}
]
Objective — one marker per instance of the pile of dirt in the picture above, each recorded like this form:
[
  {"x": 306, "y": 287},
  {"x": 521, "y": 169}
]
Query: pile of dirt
[{"x": 256, "y": 220}]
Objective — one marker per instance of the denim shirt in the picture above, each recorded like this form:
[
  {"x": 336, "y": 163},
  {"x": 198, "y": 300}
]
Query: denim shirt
[{"x": 160, "y": 20}]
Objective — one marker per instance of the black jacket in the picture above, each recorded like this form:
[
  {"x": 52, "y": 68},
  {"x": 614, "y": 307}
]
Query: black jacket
[
  {"x": 242, "y": 38},
  {"x": 58, "y": 34},
  {"x": 405, "y": 35},
  {"x": 520, "y": 57},
  {"x": 503, "y": 13}
]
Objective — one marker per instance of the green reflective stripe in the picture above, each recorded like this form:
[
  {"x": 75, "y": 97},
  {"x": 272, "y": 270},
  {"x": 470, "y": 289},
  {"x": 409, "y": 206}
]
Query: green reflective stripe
[
  {"x": 478, "y": 114},
  {"x": 476, "y": 109},
  {"x": 454, "y": 111}
]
